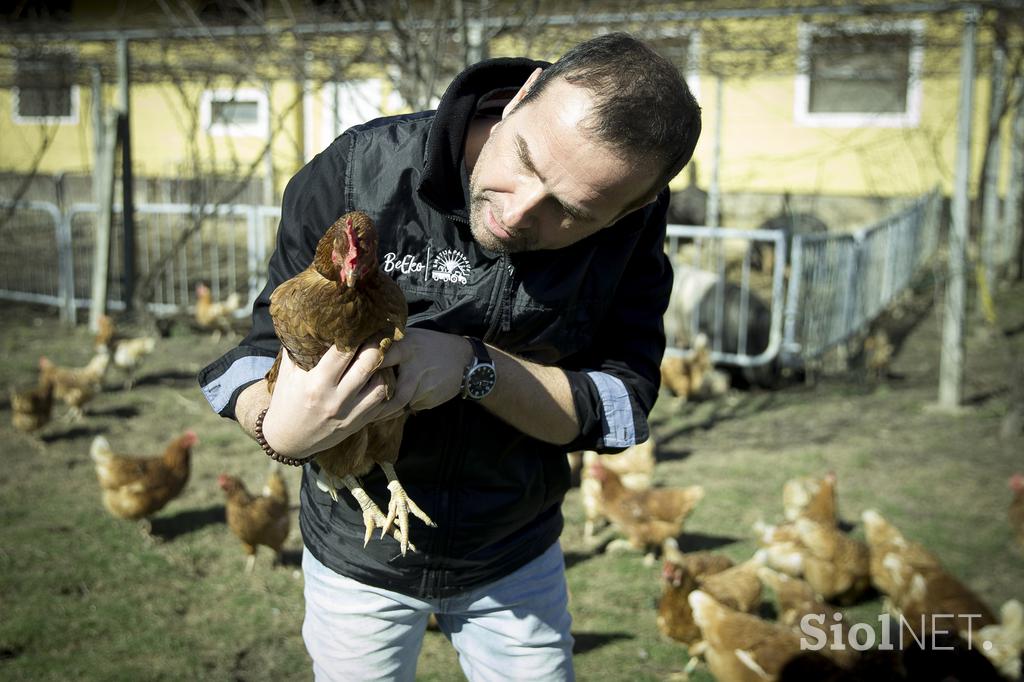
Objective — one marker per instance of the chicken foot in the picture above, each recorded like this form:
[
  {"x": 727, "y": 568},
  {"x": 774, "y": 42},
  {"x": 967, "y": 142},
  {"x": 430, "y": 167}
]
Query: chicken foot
[
  {"x": 400, "y": 506},
  {"x": 373, "y": 517}
]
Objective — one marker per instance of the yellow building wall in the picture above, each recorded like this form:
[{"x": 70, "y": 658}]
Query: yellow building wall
[{"x": 763, "y": 148}]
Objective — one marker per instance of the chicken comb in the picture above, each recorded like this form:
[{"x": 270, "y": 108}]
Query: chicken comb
[
  {"x": 191, "y": 437},
  {"x": 352, "y": 257},
  {"x": 1017, "y": 482}
]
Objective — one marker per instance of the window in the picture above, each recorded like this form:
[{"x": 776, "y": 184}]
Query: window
[
  {"x": 235, "y": 113},
  {"x": 44, "y": 91},
  {"x": 859, "y": 75}
]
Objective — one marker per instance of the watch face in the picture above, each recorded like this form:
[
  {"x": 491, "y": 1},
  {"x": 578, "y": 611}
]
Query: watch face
[{"x": 480, "y": 381}]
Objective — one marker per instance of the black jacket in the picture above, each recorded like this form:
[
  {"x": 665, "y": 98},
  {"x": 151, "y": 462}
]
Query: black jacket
[{"x": 593, "y": 308}]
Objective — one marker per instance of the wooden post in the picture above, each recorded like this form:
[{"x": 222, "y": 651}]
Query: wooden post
[
  {"x": 951, "y": 364},
  {"x": 127, "y": 202},
  {"x": 103, "y": 174},
  {"x": 990, "y": 207},
  {"x": 1013, "y": 215},
  {"x": 714, "y": 200}
]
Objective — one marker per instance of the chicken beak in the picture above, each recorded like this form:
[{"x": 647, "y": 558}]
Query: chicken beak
[{"x": 350, "y": 279}]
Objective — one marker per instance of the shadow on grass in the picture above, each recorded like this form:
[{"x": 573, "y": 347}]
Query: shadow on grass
[
  {"x": 171, "y": 377},
  {"x": 704, "y": 416},
  {"x": 589, "y": 641},
  {"x": 576, "y": 558},
  {"x": 73, "y": 433},
  {"x": 169, "y": 527},
  {"x": 695, "y": 542},
  {"x": 121, "y": 412},
  {"x": 292, "y": 557}
]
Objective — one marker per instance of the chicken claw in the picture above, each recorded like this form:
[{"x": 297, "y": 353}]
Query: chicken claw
[
  {"x": 399, "y": 508},
  {"x": 373, "y": 517}
]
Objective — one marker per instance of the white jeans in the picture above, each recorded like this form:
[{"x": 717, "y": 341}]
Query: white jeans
[{"x": 516, "y": 628}]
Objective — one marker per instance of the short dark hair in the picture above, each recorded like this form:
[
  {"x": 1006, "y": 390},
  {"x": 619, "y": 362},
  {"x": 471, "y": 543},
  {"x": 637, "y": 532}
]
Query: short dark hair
[{"x": 642, "y": 106}]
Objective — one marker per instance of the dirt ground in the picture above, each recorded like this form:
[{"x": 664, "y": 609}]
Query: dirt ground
[{"x": 111, "y": 605}]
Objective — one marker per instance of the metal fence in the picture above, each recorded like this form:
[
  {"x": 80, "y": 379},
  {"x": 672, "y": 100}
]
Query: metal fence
[
  {"x": 228, "y": 248},
  {"x": 839, "y": 283},
  {"x": 729, "y": 285}
]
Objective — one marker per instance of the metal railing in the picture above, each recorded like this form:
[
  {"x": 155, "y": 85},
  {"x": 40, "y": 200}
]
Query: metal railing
[
  {"x": 730, "y": 284},
  {"x": 228, "y": 248},
  {"x": 715, "y": 292},
  {"x": 839, "y": 283}
]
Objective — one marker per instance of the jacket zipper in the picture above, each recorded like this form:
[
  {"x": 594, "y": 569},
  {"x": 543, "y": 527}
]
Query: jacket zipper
[{"x": 503, "y": 316}]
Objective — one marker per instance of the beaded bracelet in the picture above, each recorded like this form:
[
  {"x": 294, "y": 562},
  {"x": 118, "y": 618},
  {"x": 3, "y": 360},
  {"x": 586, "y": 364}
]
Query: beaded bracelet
[{"x": 271, "y": 452}]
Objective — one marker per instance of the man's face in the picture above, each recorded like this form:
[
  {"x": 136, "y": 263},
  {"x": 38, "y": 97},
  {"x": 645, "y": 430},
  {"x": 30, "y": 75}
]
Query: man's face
[{"x": 541, "y": 183}]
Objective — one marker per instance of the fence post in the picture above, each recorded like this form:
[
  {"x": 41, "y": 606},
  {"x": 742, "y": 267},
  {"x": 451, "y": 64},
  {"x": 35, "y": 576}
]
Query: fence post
[
  {"x": 104, "y": 177},
  {"x": 790, "y": 346},
  {"x": 951, "y": 363},
  {"x": 66, "y": 265},
  {"x": 1013, "y": 216}
]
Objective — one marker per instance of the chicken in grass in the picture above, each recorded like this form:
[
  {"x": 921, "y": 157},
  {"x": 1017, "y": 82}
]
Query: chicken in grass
[
  {"x": 740, "y": 647},
  {"x": 138, "y": 487},
  {"x": 1015, "y": 513},
  {"x": 796, "y": 599},
  {"x": 258, "y": 519},
  {"x": 915, "y": 583},
  {"x": 213, "y": 315},
  {"x": 811, "y": 498},
  {"x": 834, "y": 564},
  {"x": 31, "y": 408},
  {"x": 78, "y": 385},
  {"x": 634, "y": 467},
  {"x": 343, "y": 298},
  {"x": 682, "y": 574},
  {"x": 694, "y": 377},
  {"x": 127, "y": 354},
  {"x": 646, "y": 517},
  {"x": 1003, "y": 644}
]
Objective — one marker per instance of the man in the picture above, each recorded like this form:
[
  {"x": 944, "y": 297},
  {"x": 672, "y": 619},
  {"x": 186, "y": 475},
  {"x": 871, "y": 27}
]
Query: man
[{"x": 524, "y": 221}]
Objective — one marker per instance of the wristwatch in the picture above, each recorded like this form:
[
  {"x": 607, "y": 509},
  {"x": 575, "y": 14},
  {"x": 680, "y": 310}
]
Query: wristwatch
[{"x": 480, "y": 375}]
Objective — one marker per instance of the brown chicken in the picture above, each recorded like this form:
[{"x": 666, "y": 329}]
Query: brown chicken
[
  {"x": 740, "y": 647},
  {"x": 343, "y": 298},
  {"x": 257, "y": 519},
  {"x": 129, "y": 354},
  {"x": 106, "y": 334},
  {"x": 796, "y": 599},
  {"x": 1016, "y": 511},
  {"x": 136, "y": 487},
  {"x": 31, "y": 408},
  {"x": 835, "y": 565},
  {"x": 694, "y": 377},
  {"x": 682, "y": 574},
  {"x": 75, "y": 386},
  {"x": 213, "y": 315},
  {"x": 878, "y": 352},
  {"x": 634, "y": 466},
  {"x": 916, "y": 584},
  {"x": 646, "y": 517},
  {"x": 811, "y": 498}
]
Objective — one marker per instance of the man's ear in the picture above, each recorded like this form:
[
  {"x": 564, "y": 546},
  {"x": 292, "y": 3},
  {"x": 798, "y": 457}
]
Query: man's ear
[{"x": 514, "y": 102}]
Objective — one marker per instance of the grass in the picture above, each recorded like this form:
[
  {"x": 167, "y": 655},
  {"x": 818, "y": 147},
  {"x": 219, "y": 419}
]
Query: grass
[{"x": 85, "y": 595}]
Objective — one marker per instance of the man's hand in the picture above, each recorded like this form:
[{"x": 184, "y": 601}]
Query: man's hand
[
  {"x": 312, "y": 411},
  {"x": 536, "y": 399},
  {"x": 429, "y": 366}
]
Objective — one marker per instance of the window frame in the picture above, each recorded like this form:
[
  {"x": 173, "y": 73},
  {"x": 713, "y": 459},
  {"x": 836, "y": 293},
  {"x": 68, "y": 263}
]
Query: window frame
[
  {"x": 909, "y": 118},
  {"x": 71, "y": 119},
  {"x": 220, "y": 129}
]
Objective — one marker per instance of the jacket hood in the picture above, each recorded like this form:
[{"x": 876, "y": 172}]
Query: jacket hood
[{"x": 441, "y": 182}]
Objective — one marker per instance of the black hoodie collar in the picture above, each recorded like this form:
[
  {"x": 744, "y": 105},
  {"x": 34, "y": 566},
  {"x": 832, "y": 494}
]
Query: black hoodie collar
[{"x": 441, "y": 182}]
